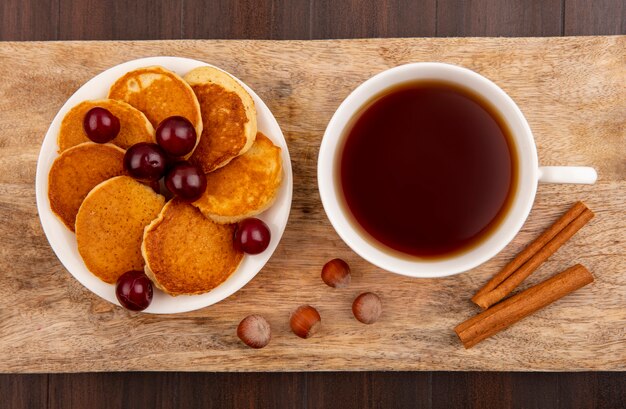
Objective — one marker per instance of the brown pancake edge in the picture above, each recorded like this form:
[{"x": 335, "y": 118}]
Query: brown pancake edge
[
  {"x": 186, "y": 253},
  {"x": 228, "y": 115},
  {"x": 76, "y": 172},
  {"x": 110, "y": 226}
]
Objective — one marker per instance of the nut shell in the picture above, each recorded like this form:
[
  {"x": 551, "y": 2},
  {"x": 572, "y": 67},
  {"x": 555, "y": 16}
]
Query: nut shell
[
  {"x": 254, "y": 331},
  {"x": 367, "y": 308},
  {"x": 305, "y": 321},
  {"x": 336, "y": 273}
]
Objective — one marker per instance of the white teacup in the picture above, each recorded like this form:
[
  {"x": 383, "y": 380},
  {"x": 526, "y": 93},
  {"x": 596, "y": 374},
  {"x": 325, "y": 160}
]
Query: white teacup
[{"x": 529, "y": 172}]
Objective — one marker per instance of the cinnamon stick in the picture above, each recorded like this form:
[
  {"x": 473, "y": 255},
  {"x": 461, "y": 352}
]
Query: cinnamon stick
[
  {"x": 533, "y": 256},
  {"x": 510, "y": 311}
]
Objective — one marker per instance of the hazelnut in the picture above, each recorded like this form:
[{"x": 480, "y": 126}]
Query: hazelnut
[
  {"x": 305, "y": 321},
  {"x": 254, "y": 331},
  {"x": 367, "y": 308},
  {"x": 336, "y": 273}
]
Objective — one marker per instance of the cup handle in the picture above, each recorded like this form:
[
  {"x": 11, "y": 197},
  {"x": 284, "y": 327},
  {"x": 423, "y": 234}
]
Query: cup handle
[{"x": 567, "y": 174}]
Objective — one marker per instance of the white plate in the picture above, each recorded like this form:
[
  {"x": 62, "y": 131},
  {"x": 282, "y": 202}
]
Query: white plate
[{"x": 63, "y": 241}]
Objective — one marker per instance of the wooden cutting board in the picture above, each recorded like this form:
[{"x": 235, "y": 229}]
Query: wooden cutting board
[{"x": 573, "y": 93}]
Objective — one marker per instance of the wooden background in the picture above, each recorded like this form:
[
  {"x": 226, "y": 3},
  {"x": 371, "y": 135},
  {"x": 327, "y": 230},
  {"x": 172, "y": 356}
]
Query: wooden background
[
  {"x": 312, "y": 20},
  {"x": 570, "y": 89}
]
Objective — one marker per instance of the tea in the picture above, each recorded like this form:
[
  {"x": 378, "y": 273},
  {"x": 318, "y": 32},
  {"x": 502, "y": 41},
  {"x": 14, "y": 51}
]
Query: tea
[{"x": 428, "y": 169}]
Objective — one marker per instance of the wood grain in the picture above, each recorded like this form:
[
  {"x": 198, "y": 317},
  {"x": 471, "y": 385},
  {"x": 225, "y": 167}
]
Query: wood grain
[
  {"x": 540, "y": 390},
  {"x": 584, "y": 17},
  {"x": 592, "y": 390},
  {"x": 250, "y": 19},
  {"x": 381, "y": 18},
  {"x": 571, "y": 91},
  {"x": 359, "y": 390},
  {"x": 29, "y": 20},
  {"x": 175, "y": 390},
  {"x": 245, "y": 19},
  {"x": 499, "y": 18},
  {"x": 119, "y": 20},
  {"x": 312, "y": 390},
  {"x": 24, "y": 391}
]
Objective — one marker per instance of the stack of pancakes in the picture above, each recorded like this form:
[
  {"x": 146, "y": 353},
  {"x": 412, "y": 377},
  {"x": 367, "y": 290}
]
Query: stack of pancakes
[{"x": 121, "y": 224}]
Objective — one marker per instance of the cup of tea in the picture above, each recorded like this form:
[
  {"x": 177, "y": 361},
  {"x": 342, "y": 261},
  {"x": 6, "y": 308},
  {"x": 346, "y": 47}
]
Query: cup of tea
[{"x": 430, "y": 169}]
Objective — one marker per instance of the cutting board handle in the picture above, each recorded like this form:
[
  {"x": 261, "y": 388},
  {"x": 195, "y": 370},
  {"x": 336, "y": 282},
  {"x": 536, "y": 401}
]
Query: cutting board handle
[{"x": 568, "y": 174}]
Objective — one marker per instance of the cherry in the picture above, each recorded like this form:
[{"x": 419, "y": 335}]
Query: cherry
[
  {"x": 252, "y": 236},
  {"x": 176, "y": 135},
  {"x": 155, "y": 185},
  {"x": 145, "y": 161},
  {"x": 186, "y": 181},
  {"x": 134, "y": 290},
  {"x": 100, "y": 125}
]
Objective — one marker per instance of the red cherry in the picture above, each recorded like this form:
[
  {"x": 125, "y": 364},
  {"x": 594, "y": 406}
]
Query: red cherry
[
  {"x": 145, "y": 161},
  {"x": 100, "y": 125},
  {"x": 155, "y": 185},
  {"x": 176, "y": 135},
  {"x": 186, "y": 181},
  {"x": 134, "y": 290},
  {"x": 252, "y": 236}
]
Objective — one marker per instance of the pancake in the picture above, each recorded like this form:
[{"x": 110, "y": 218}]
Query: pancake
[
  {"x": 229, "y": 117},
  {"x": 78, "y": 170},
  {"x": 246, "y": 186},
  {"x": 186, "y": 253},
  {"x": 134, "y": 126},
  {"x": 110, "y": 225},
  {"x": 159, "y": 94}
]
